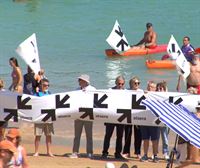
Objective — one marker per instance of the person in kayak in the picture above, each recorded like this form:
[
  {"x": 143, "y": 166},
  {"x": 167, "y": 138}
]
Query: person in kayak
[{"x": 149, "y": 40}]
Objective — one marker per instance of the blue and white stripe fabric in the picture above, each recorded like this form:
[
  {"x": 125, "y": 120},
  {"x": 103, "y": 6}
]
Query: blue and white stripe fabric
[{"x": 177, "y": 118}]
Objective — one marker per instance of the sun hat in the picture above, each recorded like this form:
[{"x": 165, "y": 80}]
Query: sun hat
[
  {"x": 85, "y": 77},
  {"x": 7, "y": 145},
  {"x": 13, "y": 133}
]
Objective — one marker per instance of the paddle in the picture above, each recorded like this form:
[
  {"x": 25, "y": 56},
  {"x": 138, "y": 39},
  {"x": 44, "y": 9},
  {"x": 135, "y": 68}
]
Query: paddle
[{"x": 197, "y": 50}]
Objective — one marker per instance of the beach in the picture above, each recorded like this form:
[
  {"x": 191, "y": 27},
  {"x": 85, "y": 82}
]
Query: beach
[
  {"x": 71, "y": 39},
  {"x": 62, "y": 148}
]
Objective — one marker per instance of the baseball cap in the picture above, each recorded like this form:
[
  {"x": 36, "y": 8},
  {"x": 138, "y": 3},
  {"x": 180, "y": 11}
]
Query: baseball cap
[
  {"x": 85, "y": 77},
  {"x": 13, "y": 133},
  {"x": 7, "y": 145}
]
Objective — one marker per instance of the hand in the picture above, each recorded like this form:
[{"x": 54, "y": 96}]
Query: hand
[{"x": 178, "y": 88}]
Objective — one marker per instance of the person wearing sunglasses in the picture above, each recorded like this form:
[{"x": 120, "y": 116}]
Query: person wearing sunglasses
[
  {"x": 119, "y": 84},
  {"x": 47, "y": 127},
  {"x": 134, "y": 84}
]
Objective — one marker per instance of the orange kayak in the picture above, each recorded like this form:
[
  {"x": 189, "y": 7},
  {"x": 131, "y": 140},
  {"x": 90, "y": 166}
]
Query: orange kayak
[
  {"x": 160, "y": 64},
  {"x": 138, "y": 52}
]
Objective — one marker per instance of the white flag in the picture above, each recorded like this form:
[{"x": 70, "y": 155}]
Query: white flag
[
  {"x": 117, "y": 39},
  {"x": 28, "y": 51},
  {"x": 175, "y": 52}
]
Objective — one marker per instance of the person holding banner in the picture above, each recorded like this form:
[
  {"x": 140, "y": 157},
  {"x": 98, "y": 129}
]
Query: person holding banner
[
  {"x": 164, "y": 131},
  {"x": 149, "y": 40},
  {"x": 150, "y": 132},
  {"x": 119, "y": 84},
  {"x": 17, "y": 77},
  {"x": 46, "y": 128},
  {"x": 134, "y": 84},
  {"x": 84, "y": 83}
]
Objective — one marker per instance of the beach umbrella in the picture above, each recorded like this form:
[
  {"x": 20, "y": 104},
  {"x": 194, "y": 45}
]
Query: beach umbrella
[{"x": 177, "y": 118}]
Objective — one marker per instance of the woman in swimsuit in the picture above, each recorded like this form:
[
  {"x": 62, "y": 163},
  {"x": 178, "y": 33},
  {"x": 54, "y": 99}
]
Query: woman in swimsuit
[{"x": 16, "y": 75}]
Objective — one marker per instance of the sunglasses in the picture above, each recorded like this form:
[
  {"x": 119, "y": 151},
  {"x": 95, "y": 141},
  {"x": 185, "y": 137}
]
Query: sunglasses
[
  {"x": 136, "y": 83},
  {"x": 120, "y": 84}
]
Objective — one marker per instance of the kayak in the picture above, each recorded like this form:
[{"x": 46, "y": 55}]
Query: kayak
[
  {"x": 138, "y": 52},
  {"x": 160, "y": 64}
]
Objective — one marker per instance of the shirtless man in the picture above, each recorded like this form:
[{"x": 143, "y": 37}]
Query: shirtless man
[
  {"x": 193, "y": 80},
  {"x": 149, "y": 39}
]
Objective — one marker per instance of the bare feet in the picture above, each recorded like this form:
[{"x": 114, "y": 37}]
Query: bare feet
[
  {"x": 50, "y": 155},
  {"x": 36, "y": 154}
]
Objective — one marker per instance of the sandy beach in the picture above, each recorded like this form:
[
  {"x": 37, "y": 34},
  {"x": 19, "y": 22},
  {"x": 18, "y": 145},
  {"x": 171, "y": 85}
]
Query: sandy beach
[{"x": 62, "y": 147}]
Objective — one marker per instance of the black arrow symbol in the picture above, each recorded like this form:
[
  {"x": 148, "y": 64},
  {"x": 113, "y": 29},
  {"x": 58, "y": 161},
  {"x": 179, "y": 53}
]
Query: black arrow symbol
[
  {"x": 12, "y": 113},
  {"x": 173, "y": 48},
  {"x": 126, "y": 114},
  {"x": 50, "y": 114},
  {"x": 179, "y": 52},
  {"x": 136, "y": 103},
  {"x": 178, "y": 101},
  {"x": 98, "y": 102},
  {"x": 21, "y": 104},
  {"x": 61, "y": 103},
  {"x": 120, "y": 33},
  {"x": 87, "y": 112},
  {"x": 33, "y": 46},
  {"x": 122, "y": 43},
  {"x": 157, "y": 121},
  {"x": 34, "y": 61}
]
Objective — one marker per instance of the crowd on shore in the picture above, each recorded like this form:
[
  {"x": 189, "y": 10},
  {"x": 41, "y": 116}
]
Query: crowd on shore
[
  {"x": 13, "y": 154},
  {"x": 38, "y": 85}
]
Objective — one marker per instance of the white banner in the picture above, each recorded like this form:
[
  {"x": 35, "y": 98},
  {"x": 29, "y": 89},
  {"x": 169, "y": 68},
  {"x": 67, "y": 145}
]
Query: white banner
[
  {"x": 117, "y": 39},
  {"x": 175, "y": 52},
  {"x": 28, "y": 51},
  {"x": 112, "y": 106}
]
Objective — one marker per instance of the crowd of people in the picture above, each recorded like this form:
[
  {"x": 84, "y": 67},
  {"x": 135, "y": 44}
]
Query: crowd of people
[{"x": 38, "y": 85}]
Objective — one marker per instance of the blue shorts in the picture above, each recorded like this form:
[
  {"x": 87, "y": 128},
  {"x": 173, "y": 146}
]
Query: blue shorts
[{"x": 150, "y": 132}]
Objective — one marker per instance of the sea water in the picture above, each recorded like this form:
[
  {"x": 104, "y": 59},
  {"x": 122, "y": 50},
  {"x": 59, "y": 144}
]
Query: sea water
[{"x": 71, "y": 37}]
